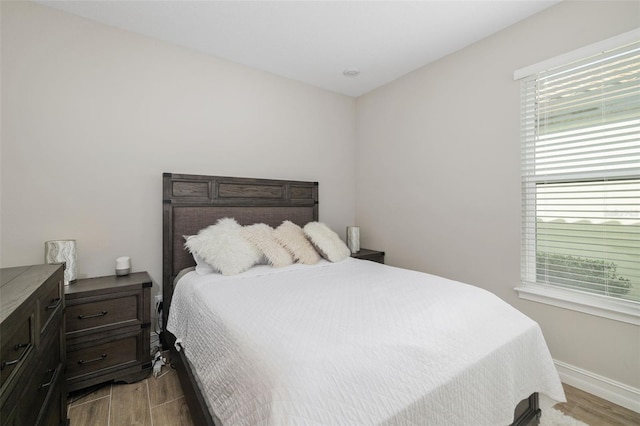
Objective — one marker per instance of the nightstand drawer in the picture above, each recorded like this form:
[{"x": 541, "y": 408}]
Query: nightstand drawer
[
  {"x": 102, "y": 313},
  {"x": 112, "y": 353}
]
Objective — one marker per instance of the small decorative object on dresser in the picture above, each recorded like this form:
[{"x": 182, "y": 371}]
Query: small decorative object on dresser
[
  {"x": 62, "y": 251},
  {"x": 366, "y": 254},
  {"x": 108, "y": 322},
  {"x": 32, "y": 387},
  {"x": 123, "y": 265}
]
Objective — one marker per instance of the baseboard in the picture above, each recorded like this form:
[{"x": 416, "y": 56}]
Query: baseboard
[{"x": 603, "y": 387}]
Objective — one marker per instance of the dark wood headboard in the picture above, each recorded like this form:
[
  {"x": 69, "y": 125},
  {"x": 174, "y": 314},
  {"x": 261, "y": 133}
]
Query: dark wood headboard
[{"x": 193, "y": 202}]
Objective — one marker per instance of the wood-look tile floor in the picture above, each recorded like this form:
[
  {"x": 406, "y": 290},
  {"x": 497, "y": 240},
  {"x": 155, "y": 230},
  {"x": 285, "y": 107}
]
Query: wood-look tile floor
[
  {"x": 160, "y": 402},
  {"x": 150, "y": 402},
  {"x": 596, "y": 411}
]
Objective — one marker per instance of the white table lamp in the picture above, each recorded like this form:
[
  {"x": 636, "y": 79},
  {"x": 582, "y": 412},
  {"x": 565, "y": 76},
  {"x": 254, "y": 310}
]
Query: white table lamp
[{"x": 62, "y": 251}]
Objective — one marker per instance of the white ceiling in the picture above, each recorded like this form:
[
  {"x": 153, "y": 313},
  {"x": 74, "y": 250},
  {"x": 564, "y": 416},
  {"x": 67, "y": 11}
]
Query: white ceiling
[{"x": 315, "y": 41}]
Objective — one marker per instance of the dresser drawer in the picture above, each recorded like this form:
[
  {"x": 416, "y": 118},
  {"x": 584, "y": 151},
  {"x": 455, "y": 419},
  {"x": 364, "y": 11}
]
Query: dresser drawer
[
  {"x": 98, "y": 314},
  {"x": 56, "y": 414},
  {"x": 50, "y": 303},
  {"x": 8, "y": 415},
  {"x": 17, "y": 347},
  {"x": 106, "y": 354},
  {"x": 47, "y": 371},
  {"x": 42, "y": 393}
]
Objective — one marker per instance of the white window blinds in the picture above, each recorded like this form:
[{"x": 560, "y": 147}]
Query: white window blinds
[{"x": 580, "y": 125}]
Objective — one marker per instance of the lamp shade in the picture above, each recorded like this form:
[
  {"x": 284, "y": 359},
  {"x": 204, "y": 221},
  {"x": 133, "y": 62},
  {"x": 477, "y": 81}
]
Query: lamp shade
[
  {"x": 62, "y": 251},
  {"x": 353, "y": 238}
]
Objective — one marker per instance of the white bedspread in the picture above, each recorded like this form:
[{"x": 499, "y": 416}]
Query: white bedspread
[{"x": 357, "y": 343}]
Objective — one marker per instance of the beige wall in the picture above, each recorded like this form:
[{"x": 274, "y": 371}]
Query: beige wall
[
  {"x": 438, "y": 184},
  {"x": 92, "y": 116}
]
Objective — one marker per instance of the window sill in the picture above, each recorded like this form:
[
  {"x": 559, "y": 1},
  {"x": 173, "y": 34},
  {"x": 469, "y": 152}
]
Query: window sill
[{"x": 602, "y": 306}]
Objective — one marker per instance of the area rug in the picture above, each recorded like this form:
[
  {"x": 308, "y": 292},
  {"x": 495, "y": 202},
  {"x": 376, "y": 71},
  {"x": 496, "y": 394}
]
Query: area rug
[{"x": 553, "y": 417}]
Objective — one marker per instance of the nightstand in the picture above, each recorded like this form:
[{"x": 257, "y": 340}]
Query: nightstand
[
  {"x": 366, "y": 254},
  {"x": 108, "y": 325}
]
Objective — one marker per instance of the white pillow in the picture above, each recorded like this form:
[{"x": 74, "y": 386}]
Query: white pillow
[
  {"x": 326, "y": 241},
  {"x": 223, "y": 247},
  {"x": 202, "y": 267},
  {"x": 292, "y": 237},
  {"x": 261, "y": 235}
]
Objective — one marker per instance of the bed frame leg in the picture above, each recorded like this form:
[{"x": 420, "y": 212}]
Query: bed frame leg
[{"x": 528, "y": 412}]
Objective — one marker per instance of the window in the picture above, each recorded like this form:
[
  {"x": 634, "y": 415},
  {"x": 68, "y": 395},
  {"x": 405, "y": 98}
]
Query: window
[{"x": 580, "y": 131}]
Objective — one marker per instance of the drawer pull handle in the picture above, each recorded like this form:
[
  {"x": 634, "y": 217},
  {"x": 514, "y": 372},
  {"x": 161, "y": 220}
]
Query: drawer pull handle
[
  {"x": 45, "y": 385},
  {"x": 101, "y": 314},
  {"x": 100, "y": 358},
  {"x": 56, "y": 302},
  {"x": 17, "y": 360}
]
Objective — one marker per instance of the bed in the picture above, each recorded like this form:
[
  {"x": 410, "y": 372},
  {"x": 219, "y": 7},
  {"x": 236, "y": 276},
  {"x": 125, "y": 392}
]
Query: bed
[{"x": 347, "y": 343}]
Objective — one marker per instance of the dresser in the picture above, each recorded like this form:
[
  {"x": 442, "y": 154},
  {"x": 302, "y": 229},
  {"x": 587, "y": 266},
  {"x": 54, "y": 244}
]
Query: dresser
[
  {"x": 32, "y": 344},
  {"x": 108, "y": 325}
]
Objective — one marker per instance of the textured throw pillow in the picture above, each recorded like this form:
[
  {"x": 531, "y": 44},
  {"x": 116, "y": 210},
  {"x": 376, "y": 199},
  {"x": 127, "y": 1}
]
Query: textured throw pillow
[
  {"x": 292, "y": 237},
  {"x": 261, "y": 235},
  {"x": 327, "y": 242},
  {"x": 202, "y": 267},
  {"x": 223, "y": 247}
]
